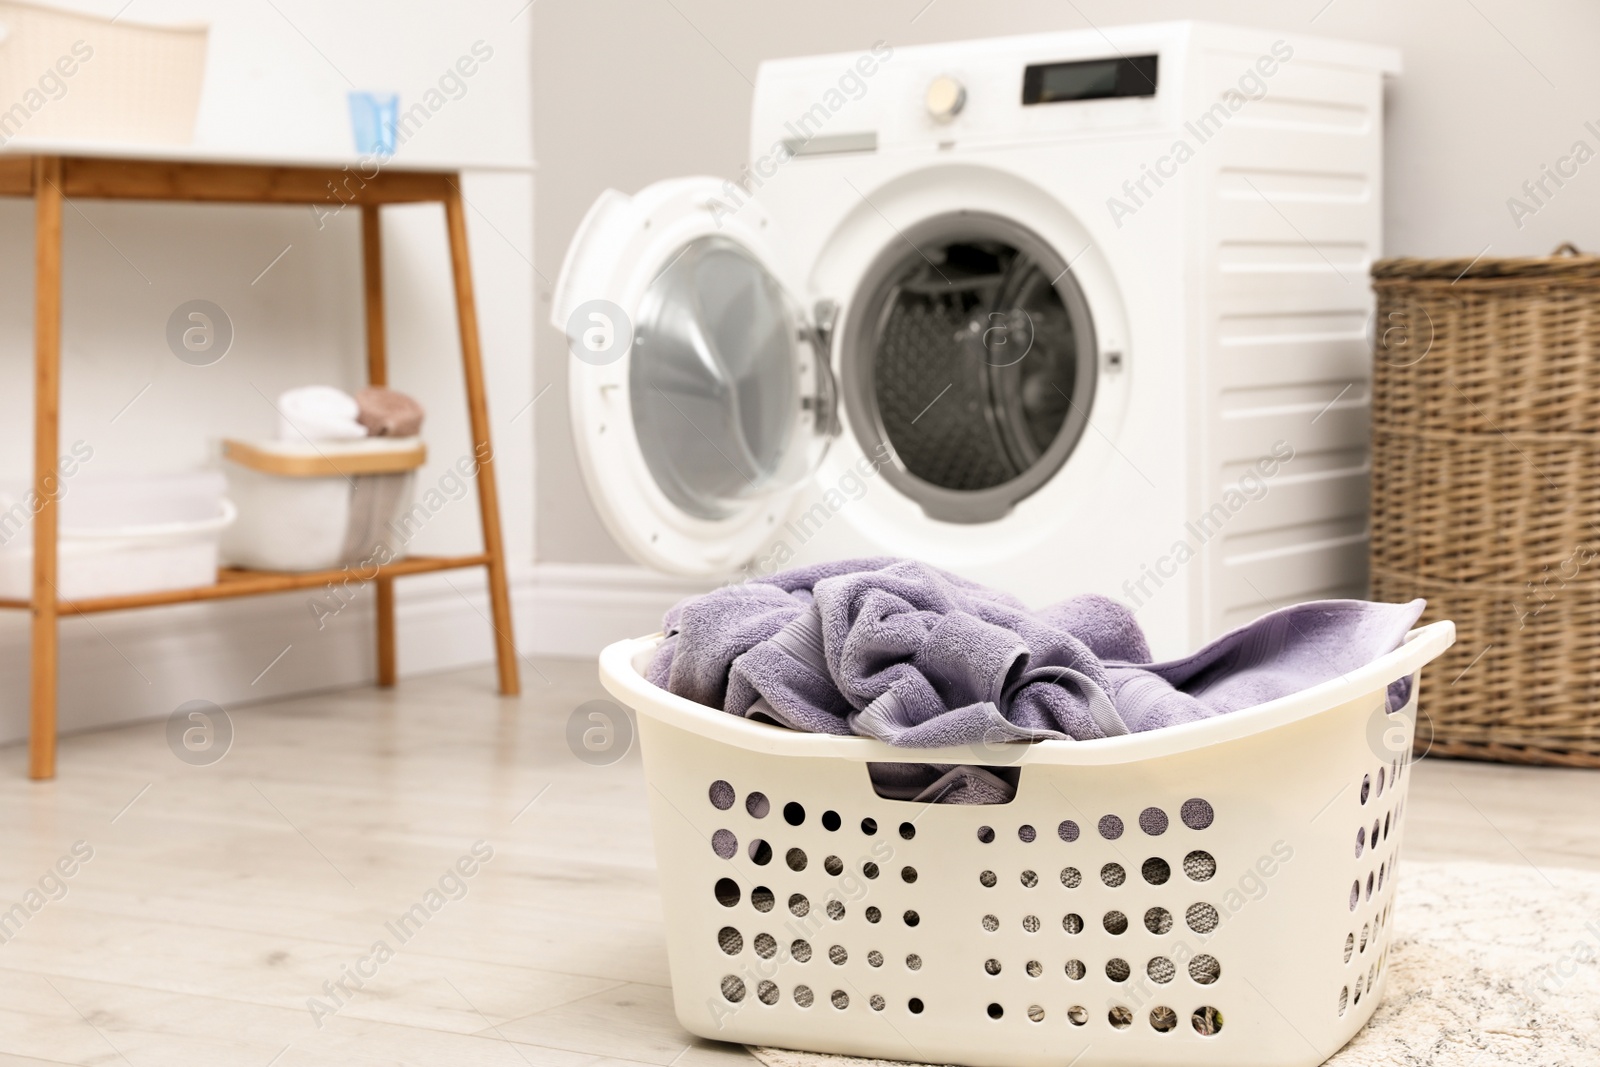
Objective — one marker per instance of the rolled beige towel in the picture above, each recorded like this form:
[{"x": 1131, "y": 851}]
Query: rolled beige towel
[{"x": 388, "y": 412}]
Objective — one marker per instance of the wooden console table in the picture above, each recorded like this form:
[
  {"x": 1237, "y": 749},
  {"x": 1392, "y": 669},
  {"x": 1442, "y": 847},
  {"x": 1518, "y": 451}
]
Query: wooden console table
[{"x": 51, "y": 178}]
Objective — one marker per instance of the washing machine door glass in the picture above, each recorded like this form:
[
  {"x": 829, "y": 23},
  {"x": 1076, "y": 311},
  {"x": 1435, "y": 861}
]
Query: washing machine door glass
[
  {"x": 729, "y": 402},
  {"x": 970, "y": 358}
]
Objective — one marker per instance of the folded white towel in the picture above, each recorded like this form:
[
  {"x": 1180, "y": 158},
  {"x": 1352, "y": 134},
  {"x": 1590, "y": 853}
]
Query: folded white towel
[{"x": 319, "y": 413}]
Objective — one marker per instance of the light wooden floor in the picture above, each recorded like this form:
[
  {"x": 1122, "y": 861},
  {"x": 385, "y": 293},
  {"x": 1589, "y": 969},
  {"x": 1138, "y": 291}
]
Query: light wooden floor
[{"x": 219, "y": 899}]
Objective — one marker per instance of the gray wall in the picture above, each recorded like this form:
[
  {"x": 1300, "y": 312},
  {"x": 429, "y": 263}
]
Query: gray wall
[{"x": 629, "y": 91}]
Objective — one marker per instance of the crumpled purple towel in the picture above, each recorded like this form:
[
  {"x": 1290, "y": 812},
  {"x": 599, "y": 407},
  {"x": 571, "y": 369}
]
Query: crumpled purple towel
[
  {"x": 929, "y": 660},
  {"x": 917, "y": 657},
  {"x": 1280, "y": 653}
]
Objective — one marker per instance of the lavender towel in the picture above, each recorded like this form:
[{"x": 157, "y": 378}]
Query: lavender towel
[{"x": 917, "y": 657}]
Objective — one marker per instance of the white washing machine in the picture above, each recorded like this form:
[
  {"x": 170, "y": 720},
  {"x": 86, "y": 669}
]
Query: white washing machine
[{"x": 1062, "y": 313}]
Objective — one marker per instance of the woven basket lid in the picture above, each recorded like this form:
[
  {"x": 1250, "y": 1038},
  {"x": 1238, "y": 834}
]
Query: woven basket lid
[{"x": 1564, "y": 263}]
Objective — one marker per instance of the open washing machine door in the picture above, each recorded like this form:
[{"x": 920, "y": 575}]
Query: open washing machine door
[{"x": 700, "y": 391}]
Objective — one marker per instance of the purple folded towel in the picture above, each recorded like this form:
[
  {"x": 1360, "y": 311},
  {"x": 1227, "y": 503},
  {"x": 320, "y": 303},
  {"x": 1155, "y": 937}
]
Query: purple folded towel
[{"x": 917, "y": 657}]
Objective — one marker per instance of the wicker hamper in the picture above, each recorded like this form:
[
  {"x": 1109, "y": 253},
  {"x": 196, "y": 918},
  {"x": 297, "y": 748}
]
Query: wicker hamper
[{"x": 1486, "y": 493}]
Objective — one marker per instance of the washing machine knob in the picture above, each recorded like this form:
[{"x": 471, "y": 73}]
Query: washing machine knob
[{"x": 946, "y": 97}]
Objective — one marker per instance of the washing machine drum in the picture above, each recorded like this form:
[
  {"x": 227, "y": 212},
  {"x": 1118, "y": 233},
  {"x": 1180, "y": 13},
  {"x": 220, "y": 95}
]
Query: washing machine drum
[{"x": 969, "y": 364}]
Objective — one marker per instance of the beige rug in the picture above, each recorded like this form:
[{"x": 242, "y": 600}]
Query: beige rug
[{"x": 1491, "y": 965}]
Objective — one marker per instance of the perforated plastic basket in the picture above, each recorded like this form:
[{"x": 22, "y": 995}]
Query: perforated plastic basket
[{"x": 1215, "y": 893}]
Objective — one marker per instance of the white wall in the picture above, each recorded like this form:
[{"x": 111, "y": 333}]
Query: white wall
[
  {"x": 276, "y": 80},
  {"x": 627, "y": 93}
]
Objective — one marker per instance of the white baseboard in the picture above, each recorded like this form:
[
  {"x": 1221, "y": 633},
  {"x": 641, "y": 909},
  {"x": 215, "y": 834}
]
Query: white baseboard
[
  {"x": 576, "y": 609},
  {"x": 124, "y": 667}
]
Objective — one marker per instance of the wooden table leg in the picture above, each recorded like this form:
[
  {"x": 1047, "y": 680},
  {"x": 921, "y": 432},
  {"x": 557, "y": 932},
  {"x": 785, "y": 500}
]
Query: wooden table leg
[
  {"x": 46, "y": 454},
  {"x": 378, "y": 374},
  {"x": 478, "y": 414}
]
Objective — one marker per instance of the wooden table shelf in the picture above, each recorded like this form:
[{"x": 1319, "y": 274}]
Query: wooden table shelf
[
  {"x": 238, "y": 581},
  {"x": 51, "y": 178}
]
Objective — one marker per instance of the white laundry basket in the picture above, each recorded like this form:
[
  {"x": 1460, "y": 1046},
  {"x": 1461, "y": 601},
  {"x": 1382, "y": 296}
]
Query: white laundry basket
[
  {"x": 306, "y": 506},
  {"x": 71, "y": 76},
  {"x": 1214, "y": 893}
]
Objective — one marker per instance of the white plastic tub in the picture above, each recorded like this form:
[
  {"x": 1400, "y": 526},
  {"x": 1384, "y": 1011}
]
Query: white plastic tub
[
  {"x": 1217, "y": 893},
  {"x": 135, "y": 534},
  {"x": 307, "y": 506}
]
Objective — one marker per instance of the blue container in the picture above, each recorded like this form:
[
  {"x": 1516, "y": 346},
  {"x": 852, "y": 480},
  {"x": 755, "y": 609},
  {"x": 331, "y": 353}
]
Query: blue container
[{"x": 373, "y": 119}]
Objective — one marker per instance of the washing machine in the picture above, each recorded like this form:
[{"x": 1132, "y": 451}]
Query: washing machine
[{"x": 1062, "y": 313}]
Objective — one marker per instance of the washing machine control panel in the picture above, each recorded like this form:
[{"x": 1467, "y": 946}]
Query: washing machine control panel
[{"x": 1030, "y": 89}]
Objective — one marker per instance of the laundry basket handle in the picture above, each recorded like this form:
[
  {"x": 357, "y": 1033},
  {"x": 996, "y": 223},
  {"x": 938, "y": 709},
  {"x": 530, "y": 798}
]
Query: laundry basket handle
[{"x": 1422, "y": 645}]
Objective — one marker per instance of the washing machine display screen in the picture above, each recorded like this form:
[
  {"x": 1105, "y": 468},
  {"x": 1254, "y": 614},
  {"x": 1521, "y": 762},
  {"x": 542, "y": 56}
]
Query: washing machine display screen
[
  {"x": 972, "y": 358},
  {"x": 1092, "y": 79},
  {"x": 712, "y": 379}
]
